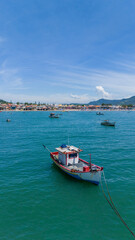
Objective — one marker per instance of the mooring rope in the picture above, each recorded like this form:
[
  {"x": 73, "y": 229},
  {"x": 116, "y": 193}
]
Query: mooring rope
[{"x": 113, "y": 206}]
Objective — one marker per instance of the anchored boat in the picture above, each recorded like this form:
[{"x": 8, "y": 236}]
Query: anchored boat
[
  {"x": 108, "y": 123},
  {"x": 100, "y": 113},
  {"x": 68, "y": 160},
  {"x": 53, "y": 115}
]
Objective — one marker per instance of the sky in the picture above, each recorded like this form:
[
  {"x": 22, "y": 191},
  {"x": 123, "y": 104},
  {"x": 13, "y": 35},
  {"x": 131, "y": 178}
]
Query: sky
[{"x": 67, "y": 51}]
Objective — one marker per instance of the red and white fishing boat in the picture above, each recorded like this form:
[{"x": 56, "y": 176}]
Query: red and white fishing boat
[{"x": 68, "y": 160}]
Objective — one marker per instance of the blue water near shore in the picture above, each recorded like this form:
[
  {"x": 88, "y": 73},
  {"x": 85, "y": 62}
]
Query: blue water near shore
[{"x": 39, "y": 202}]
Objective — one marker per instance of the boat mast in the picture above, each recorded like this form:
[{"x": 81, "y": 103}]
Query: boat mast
[
  {"x": 68, "y": 138},
  {"x": 90, "y": 160}
]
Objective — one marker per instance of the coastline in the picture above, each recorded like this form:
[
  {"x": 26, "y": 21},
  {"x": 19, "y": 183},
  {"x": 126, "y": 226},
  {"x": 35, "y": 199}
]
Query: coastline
[{"x": 72, "y": 110}]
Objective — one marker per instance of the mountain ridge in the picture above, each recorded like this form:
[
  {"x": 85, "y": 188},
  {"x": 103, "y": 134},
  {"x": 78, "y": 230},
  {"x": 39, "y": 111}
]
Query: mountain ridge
[
  {"x": 124, "y": 101},
  {"x": 3, "y": 101}
]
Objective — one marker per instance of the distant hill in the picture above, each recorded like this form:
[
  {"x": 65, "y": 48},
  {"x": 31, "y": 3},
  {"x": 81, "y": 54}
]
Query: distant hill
[
  {"x": 124, "y": 101},
  {"x": 2, "y": 101}
]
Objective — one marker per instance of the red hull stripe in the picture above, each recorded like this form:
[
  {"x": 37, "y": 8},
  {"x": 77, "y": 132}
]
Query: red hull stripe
[{"x": 67, "y": 169}]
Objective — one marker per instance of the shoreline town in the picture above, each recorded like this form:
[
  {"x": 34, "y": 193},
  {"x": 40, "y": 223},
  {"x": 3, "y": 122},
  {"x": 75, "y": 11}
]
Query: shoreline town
[{"x": 62, "y": 107}]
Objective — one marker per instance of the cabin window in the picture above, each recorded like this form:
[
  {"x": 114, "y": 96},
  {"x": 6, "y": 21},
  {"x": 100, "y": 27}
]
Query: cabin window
[{"x": 73, "y": 155}]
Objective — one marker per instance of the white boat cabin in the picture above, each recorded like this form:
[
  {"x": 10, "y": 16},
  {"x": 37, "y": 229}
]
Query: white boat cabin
[{"x": 68, "y": 155}]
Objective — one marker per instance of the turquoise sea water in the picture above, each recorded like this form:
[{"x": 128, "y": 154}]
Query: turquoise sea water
[{"x": 39, "y": 202}]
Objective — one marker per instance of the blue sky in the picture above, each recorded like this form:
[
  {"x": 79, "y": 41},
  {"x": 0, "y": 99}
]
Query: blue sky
[{"x": 63, "y": 51}]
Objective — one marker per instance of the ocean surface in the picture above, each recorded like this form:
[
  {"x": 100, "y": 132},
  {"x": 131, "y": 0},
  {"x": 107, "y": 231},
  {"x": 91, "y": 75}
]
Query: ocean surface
[{"x": 39, "y": 202}]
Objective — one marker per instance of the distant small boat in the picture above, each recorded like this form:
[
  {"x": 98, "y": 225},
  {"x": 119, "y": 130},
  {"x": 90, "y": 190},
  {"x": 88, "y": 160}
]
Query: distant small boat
[
  {"x": 8, "y": 120},
  {"x": 53, "y": 115},
  {"x": 100, "y": 113},
  {"x": 68, "y": 160},
  {"x": 108, "y": 123}
]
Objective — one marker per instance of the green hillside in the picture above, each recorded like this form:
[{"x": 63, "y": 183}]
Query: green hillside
[
  {"x": 124, "y": 101},
  {"x": 2, "y": 101}
]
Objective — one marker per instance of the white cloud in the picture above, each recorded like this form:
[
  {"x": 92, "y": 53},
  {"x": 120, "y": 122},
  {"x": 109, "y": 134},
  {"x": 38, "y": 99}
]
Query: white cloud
[
  {"x": 120, "y": 82},
  {"x": 75, "y": 96},
  {"x": 59, "y": 98},
  {"x": 9, "y": 77},
  {"x": 17, "y": 82},
  {"x": 83, "y": 82},
  {"x": 101, "y": 90},
  {"x": 84, "y": 98}
]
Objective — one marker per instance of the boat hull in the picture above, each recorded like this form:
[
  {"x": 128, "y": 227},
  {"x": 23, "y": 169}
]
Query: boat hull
[
  {"x": 91, "y": 176},
  {"x": 108, "y": 124}
]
